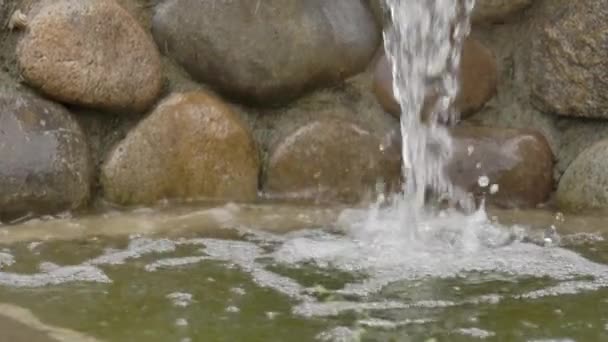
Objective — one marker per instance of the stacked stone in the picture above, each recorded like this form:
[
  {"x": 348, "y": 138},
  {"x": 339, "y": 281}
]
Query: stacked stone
[{"x": 132, "y": 103}]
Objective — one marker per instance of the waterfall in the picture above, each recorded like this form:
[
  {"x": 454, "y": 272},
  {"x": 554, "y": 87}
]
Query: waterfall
[{"x": 423, "y": 44}]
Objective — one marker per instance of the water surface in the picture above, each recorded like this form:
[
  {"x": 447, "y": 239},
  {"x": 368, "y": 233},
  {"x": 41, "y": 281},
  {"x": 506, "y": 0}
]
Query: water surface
[{"x": 278, "y": 272}]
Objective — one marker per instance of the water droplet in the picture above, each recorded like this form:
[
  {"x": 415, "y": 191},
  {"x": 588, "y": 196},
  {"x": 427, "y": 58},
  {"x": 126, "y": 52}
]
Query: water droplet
[
  {"x": 470, "y": 149},
  {"x": 33, "y": 245},
  {"x": 483, "y": 181}
]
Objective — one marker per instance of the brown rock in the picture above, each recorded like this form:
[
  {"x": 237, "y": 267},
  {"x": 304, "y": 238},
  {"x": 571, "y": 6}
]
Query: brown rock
[
  {"x": 519, "y": 162},
  {"x": 192, "y": 146},
  {"x": 45, "y": 166},
  {"x": 330, "y": 160},
  {"x": 478, "y": 80},
  {"x": 90, "y": 53}
]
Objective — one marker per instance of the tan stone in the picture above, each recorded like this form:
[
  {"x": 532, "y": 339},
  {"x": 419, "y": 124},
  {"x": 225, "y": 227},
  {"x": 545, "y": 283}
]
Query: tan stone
[
  {"x": 330, "y": 160},
  {"x": 90, "y": 53},
  {"x": 192, "y": 146},
  {"x": 478, "y": 80}
]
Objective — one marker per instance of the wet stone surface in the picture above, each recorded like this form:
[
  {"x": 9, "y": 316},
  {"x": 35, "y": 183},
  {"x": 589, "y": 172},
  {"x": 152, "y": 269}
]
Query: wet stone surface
[
  {"x": 192, "y": 146},
  {"x": 90, "y": 53},
  {"x": 267, "y": 52},
  {"x": 331, "y": 160},
  {"x": 44, "y": 157}
]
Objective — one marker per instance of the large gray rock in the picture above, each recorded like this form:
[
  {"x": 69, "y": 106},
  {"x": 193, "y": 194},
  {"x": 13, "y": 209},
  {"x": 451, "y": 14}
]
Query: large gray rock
[
  {"x": 268, "y": 51},
  {"x": 90, "y": 53},
  {"x": 44, "y": 159},
  {"x": 569, "y": 64},
  {"x": 192, "y": 146},
  {"x": 584, "y": 185}
]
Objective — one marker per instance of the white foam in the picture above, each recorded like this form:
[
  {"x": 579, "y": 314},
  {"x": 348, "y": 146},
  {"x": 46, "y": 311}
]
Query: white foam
[
  {"x": 181, "y": 322},
  {"x": 174, "y": 262},
  {"x": 239, "y": 291},
  {"x": 233, "y": 309},
  {"x": 476, "y": 333},
  {"x": 340, "y": 334},
  {"x": 6, "y": 259},
  {"x": 137, "y": 247},
  {"x": 180, "y": 299},
  {"x": 389, "y": 325},
  {"x": 58, "y": 276}
]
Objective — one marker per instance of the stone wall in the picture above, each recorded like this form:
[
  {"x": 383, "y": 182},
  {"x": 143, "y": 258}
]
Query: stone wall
[{"x": 132, "y": 102}]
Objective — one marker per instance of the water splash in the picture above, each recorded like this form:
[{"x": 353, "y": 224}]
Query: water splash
[{"x": 423, "y": 45}]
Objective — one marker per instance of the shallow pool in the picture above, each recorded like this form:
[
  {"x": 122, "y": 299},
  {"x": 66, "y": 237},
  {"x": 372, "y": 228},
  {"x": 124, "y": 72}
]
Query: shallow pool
[{"x": 288, "y": 273}]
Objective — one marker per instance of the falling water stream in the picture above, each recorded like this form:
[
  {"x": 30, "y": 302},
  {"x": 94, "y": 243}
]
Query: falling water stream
[
  {"x": 398, "y": 271},
  {"x": 424, "y": 45}
]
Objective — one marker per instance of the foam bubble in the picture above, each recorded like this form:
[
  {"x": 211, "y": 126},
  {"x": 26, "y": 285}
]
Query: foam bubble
[
  {"x": 174, "y": 262},
  {"x": 340, "y": 334},
  {"x": 6, "y": 259},
  {"x": 476, "y": 333},
  {"x": 181, "y": 322},
  {"x": 180, "y": 299},
  {"x": 137, "y": 247},
  {"x": 57, "y": 276}
]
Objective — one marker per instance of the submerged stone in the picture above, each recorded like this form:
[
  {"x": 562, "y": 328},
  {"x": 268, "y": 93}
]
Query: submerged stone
[
  {"x": 90, "y": 53},
  {"x": 192, "y": 146},
  {"x": 329, "y": 159},
  {"x": 271, "y": 51},
  {"x": 508, "y": 167},
  {"x": 478, "y": 80},
  {"x": 44, "y": 158}
]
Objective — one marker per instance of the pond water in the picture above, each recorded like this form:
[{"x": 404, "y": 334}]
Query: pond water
[{"x": 273, "y": 272}]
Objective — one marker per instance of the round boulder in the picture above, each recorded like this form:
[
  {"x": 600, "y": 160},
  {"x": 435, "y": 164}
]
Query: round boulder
[
  {"x": 584, "y": 185},
  {"x": 509, "y": 167},
  {"x": 497, "y": 10},
  {"x": 90, "y": 53},
  {"x": 192, "y": 146},
  {"x": 569, "y": 64},
  {"x": 45, "y": 165},
  {"x": 478, "y": 80},
  {"x": 267, "y": 52},
  {"x": 330, "y": 160}
]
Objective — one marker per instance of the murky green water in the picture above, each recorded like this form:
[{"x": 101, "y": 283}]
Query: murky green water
[{"x": 185, "y": 284}]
